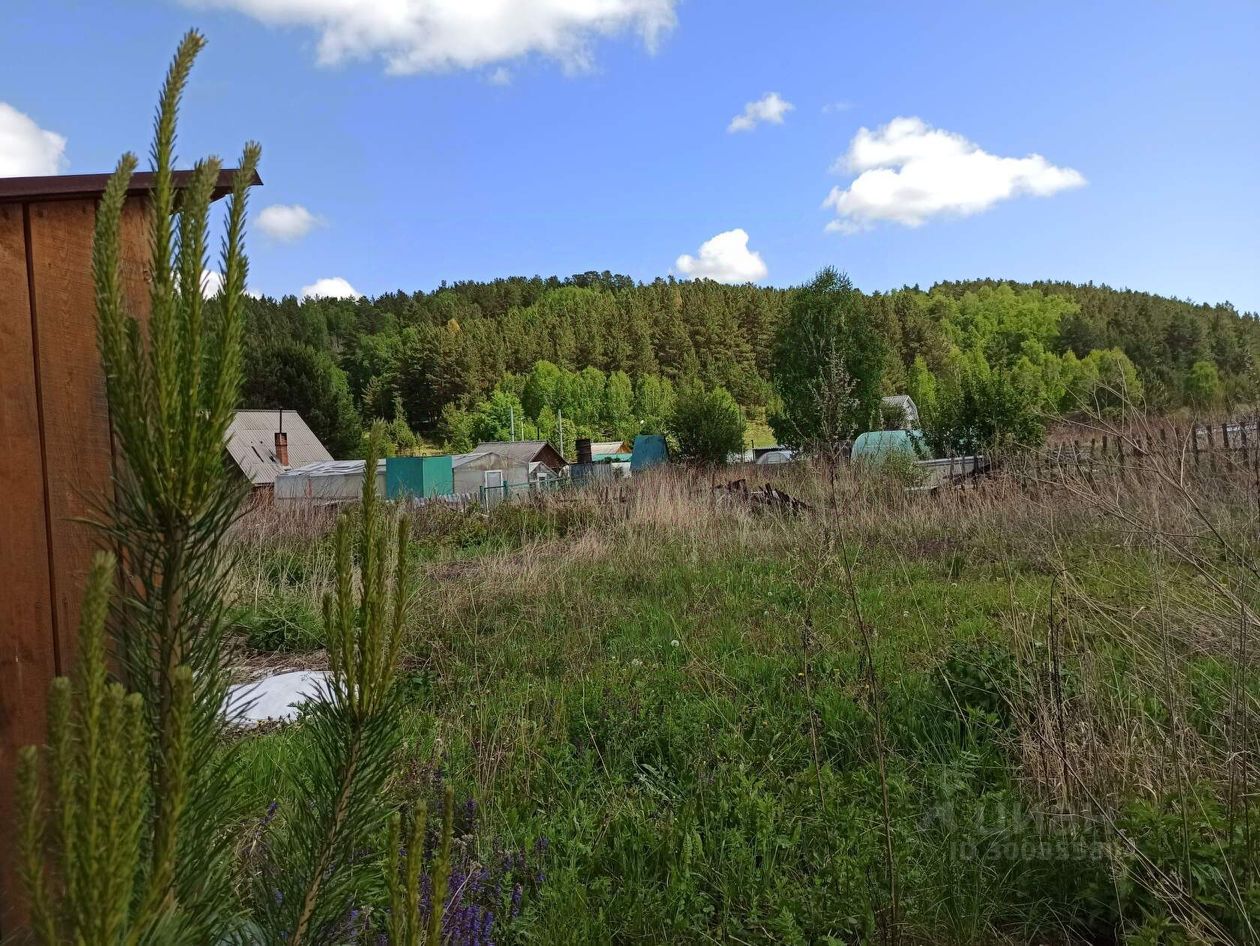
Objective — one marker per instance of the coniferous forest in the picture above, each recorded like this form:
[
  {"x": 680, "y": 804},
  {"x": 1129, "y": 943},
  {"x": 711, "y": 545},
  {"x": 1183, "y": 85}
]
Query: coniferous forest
[{"x": 479, "y": 360}]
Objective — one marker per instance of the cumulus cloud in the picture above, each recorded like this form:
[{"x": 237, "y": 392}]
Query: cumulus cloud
[
  {"x": 330, "y": 287},
  {"x": 769, "y": 109},
  {"x": 725, "y": 258},
  {"x": 26, "y": 150},
  {"x": 211, "y": 283},
  {"x": 908, "y": 172},
  {"x": 287, "y": 222},
  {"x": 414, "y": 36}
]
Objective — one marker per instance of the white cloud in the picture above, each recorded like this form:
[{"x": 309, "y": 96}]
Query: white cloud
[
  {"x": 287, "y": 222},
  {"x": 725, "y": 258},
  {"x": 330, "y": 287},
  {"x": 435, "y": 35},
  {"x": 211, "y": 283},
  {"x": 26, "y": 150},
  {"x": 770, "y": 108},
  {"x": 500, "y": 76},
  {"x": 908, "y": 172}
]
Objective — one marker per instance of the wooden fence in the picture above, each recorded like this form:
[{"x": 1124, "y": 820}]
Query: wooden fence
[{"x": 1198, "y": 450}]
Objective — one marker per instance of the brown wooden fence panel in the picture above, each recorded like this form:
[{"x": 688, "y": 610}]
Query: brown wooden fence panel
[
  {"x": 27, "y": 652},
  {"x": 77, "y": 448},
  {"x": 56, "y": 456}
]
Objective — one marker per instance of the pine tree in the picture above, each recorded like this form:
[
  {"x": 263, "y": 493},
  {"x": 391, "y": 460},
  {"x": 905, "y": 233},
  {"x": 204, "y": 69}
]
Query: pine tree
[{"x": 127, "y": 840}]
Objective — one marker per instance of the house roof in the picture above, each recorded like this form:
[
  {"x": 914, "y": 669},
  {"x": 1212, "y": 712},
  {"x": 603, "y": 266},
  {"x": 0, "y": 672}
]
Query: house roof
[
  {"x": 485, "y": 460},
  {"x": 459, "y": 459},
  {"x": 80, "y": 186},
  {"x": 526, "y": 451},
  {"x": 601, "y": 448},
  {"x": 332, "y": 468},
  {"x": 905, "y": 402},
  {"x": 251, "y": 442}
]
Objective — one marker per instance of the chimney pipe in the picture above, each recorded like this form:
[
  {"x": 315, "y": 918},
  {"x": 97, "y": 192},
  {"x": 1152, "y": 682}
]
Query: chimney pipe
[{"x": 282, "y": 448}]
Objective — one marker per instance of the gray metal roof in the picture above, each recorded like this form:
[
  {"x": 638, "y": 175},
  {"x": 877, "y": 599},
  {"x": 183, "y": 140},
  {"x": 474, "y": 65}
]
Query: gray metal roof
[
  {"x": 332, "y": 468},
  {"x": 251, "y": 442},
  {"x": 524, "y": 451},
  {"x": 459, "y": 459},
  {"x": 485, "y": 460},
  {"x": 905, "y": 402}
]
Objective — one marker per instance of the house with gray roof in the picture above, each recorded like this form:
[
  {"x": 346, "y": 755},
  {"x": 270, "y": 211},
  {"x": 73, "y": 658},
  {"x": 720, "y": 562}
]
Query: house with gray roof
[
  {"x": 902, "y": 404},
  {"x": 542, "y": 458},
  {"x": 265, "y": 443}
]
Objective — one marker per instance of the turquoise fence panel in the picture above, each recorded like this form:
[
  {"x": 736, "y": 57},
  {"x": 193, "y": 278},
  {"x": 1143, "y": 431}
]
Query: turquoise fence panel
[
  {"x": 423, "y": 477},
  {"x": 649, "y": 450},
  {"x": 439, "y": 476}
]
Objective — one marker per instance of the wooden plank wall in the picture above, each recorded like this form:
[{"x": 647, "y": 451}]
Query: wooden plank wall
[
  {"x": 27, "y": 637},
  {"x": 77, "y": 453},
  {"x": 56, "y": 461}
]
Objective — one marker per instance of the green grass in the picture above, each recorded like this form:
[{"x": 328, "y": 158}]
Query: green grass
[{"x": 682, "y": 706}]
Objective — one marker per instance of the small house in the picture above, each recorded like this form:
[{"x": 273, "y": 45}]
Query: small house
[
  {"x": 901, "y": 410},
  {"x": 489, "y": 475},
  {"x": 265, "y": 443},
  {"x": 59, "y": 457},
  {"x": 541, "y": 458}
]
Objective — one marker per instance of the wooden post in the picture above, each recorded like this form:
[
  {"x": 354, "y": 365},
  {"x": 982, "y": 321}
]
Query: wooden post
[
  {"x": 1194, "y": 443},
  {"x": 1242, "y": 432}
]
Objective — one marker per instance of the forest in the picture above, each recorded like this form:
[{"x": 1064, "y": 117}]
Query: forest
[{"x": 606, "y": 355}]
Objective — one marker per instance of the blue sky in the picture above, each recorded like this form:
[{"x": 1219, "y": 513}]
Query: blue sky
[{"x": 469, "y": 139}]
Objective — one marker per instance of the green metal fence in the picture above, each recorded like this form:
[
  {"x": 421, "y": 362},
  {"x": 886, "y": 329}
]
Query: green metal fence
[{"x": 493, "y": 495}]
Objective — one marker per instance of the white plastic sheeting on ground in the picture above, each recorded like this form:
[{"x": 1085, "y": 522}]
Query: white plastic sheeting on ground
[{"x": 278, "y": 697}]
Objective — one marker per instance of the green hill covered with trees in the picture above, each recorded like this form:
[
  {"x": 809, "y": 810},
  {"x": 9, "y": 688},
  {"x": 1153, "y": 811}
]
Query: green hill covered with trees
[{"x": 608, "y": 355}]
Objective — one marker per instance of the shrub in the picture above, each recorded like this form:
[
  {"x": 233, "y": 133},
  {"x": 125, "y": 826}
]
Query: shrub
[
  {"x": 707, "y": 425},
  {"x": 286, "y": 623},
  {"x": 895, "y": 467}
]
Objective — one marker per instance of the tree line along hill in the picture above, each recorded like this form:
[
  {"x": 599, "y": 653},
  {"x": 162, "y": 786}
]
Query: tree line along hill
[{"x": 481, "y": 360}]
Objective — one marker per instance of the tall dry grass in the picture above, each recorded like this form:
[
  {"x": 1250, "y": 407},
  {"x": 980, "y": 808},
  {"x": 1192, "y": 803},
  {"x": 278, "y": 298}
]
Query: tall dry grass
[
  {"x": 1141, "y": 682},
  {"x": 1136, "y": 667}
]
